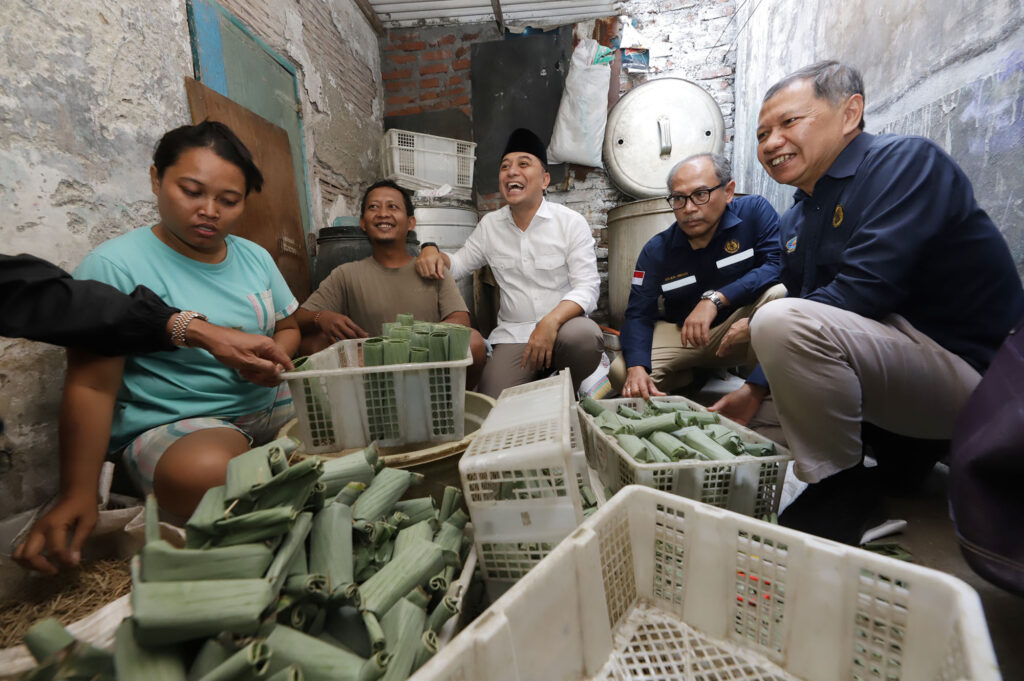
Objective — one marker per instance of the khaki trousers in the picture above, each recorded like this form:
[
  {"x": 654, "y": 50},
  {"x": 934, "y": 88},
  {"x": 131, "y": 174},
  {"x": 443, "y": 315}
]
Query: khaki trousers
[
  {"x": 831, "y": 369},
  {"x": 671, "y": 362},
  {"x": 578, "y": 347}
]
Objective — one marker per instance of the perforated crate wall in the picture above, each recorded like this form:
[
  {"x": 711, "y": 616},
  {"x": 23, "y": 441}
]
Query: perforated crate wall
[
  {"x": 428, "y": 159},
  {"x": 340, "y": 404},
  {"x": 655, "y": 586}
]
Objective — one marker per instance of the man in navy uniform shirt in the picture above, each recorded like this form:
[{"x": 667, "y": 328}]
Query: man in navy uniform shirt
[
  {"x": 901, "y": 291},
  {"x": 713, "y": 267}
]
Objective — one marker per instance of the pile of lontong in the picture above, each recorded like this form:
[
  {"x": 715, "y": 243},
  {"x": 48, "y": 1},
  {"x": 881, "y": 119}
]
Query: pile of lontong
[
  {"x": 667, "y": 432},
  {"x": 312, "y": 571}
]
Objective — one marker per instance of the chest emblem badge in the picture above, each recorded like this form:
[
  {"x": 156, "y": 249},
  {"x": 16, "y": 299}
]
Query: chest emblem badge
[
  {"x": 791, "y": 245},
  {"x": 731, "y": 246},
  {"x": 837, "y": 216}
]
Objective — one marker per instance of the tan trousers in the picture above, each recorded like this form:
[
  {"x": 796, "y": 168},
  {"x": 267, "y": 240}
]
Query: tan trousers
[
  {"x": 671, "y": 362},
  {"x": 578, "y": 347},
  {"x": 831, "y": 369}
]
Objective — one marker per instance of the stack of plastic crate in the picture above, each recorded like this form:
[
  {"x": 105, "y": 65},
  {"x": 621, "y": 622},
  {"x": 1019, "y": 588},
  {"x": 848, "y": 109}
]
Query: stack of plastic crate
[{"x": 520, "y": 480}]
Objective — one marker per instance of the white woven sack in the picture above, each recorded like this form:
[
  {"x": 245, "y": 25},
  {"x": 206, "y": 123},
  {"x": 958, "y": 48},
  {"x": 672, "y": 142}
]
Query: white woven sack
[{"x": 578, "y": 136}]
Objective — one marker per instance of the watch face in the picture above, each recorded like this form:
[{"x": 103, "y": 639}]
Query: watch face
[{"x": 707, "y": 294}]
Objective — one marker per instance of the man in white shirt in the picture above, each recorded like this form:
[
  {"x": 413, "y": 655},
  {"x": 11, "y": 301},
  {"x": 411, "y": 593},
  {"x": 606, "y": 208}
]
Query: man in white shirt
[{"x": 542, "y": 256}]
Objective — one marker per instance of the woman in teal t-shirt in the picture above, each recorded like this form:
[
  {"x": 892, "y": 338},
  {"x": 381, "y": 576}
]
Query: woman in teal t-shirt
[{"x": 179, "y": 416}]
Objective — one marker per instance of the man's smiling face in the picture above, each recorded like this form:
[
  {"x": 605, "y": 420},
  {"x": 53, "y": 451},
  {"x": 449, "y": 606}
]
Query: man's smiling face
[
  {"x": 384, "y": 220},
  {"x": 522, "y": 179},
  {"x": 799, "y": 135}
]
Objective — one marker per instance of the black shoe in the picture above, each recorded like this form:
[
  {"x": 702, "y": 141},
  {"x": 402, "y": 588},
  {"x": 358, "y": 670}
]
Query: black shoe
[
  {"x": 841, "y": 507},
  {"x": 904, "y": 463}
]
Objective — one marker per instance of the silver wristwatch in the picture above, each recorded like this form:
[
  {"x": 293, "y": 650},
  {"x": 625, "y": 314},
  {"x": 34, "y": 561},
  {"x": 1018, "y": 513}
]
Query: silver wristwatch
[{"x": 714, "y": 298}]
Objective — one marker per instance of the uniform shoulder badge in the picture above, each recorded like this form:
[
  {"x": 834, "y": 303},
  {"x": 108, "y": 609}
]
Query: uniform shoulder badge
[
  {"x": 791, "y": 245},
  {"x": 731, "y": 246},
  {"x": 837, "y": 216},
  {"x": 638, "y": 277}
]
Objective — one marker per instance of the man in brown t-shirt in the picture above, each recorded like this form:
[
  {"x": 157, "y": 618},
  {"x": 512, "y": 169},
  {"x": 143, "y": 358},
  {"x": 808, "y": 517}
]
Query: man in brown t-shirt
[{"x": 358, "y": 297}]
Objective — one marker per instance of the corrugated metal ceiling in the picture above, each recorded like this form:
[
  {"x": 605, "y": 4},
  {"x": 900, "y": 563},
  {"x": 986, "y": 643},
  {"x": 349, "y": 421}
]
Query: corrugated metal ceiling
[{"x": 394, "y": 13}]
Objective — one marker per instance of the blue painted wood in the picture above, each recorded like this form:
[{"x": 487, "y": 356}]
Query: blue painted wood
[{"x": 207, "y": 47}]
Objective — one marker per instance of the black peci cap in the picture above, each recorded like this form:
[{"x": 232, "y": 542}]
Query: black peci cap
[{"x": 522, "y": 139}]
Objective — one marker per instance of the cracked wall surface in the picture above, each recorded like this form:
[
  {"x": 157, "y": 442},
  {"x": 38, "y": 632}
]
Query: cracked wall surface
[
  {"x": 950, "y": 70},
  {"x": 86, "y": 90}
]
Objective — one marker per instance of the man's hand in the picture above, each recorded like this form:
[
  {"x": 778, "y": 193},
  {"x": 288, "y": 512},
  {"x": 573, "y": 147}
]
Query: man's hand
[
  {"x": 737, "y": 335},
  {"x": 694, "y": 333},
  {"x": 337, "y": 325},
  {"x": 46, "y": 547},
  {"x": 639, "y": 384},
  {"x": 431, "y": 263},
  {"x": 541, "y": 345},
  {"x": 741, "y": 404},
  {"x": 256, "y": 358}
]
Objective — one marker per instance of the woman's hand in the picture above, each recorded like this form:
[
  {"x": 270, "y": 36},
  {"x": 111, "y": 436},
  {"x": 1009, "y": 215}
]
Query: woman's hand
[
  {"x": 56, "y": 539},
  {"x": 86, "y": 415},
  {"x": 248, "y": 353}
]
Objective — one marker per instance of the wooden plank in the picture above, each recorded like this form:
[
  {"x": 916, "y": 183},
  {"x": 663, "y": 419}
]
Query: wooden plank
[
  {"x": 271, "y": 218},
  {"x": 371, "y": 16},
  {"x": 498, "y": 17}
]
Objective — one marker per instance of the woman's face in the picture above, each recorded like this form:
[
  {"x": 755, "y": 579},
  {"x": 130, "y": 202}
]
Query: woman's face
[{"x": 200, "y": 197}]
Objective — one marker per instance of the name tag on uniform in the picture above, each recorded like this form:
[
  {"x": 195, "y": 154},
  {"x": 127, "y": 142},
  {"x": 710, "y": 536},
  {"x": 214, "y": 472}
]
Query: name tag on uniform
[
  {"x": 679, "y": 283},
  {"x": 732, "y": 259}
]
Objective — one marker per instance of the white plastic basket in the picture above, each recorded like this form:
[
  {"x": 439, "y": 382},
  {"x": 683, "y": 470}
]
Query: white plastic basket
[
  {"x": 520, "y": 480},
  {"x": 427, "y": 161},
  {"x": 340, "y": 404},
  {"x": 654, "y": 586},
  {"x": 751, "y": 485}
]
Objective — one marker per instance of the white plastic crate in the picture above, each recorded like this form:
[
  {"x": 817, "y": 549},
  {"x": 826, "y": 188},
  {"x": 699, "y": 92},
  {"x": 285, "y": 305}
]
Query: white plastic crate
[
  {"x": 654, "y": 586},
  {"x": 519, "y": 480},
  {"x": 340, "y": 404},
  {"x": 428, "y": 161},
  {"x": 751, "y": 485}
]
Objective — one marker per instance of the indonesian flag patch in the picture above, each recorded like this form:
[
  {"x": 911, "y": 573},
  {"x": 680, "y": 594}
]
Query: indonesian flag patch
[{"x": 638, "y": 277}]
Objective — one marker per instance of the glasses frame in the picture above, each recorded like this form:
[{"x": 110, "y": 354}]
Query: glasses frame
[{"x": 672, "y": 198}]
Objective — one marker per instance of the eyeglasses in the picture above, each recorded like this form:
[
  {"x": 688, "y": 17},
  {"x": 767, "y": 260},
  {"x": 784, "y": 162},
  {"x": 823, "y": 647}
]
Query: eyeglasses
[{"x": 699, "y": 197}]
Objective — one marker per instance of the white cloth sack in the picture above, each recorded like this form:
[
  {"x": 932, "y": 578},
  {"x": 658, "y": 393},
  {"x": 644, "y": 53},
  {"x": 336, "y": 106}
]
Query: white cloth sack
[{"x": 578, "y": 136}]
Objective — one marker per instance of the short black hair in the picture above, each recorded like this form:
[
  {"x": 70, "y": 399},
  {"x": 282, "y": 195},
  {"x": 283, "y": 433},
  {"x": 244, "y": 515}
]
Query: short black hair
[
  {"x": 390, "y": 184},
  {"x": 212, "y": 135},
  {"x": 833, "y": 81}
]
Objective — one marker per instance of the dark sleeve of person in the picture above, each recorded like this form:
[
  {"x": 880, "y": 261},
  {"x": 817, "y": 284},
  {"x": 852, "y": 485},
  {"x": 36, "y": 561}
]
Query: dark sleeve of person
[
  {"x": 767, "y": 256},
  {"x": 42, "y": 302},
  {"x": 637, "y": 333},
  {"x": 914, "y": 190}
]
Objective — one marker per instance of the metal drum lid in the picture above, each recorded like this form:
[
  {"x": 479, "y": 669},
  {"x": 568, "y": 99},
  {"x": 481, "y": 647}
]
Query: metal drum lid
[{"x": 653, "y": 127}]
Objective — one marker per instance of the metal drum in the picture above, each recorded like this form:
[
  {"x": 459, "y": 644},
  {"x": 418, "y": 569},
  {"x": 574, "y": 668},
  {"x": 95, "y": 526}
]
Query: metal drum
[
  {"x": 653, "y": 127},
  {"x": 448, "y": 227},
  {"x": 630, "y": 226}
]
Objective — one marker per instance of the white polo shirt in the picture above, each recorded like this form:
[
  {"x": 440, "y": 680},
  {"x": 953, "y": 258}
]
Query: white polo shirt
[{"x": 537, "y": 268}]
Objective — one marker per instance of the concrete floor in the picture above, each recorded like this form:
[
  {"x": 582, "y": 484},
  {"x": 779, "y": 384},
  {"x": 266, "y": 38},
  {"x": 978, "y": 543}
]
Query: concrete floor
[{"x": 931, "y": 541}]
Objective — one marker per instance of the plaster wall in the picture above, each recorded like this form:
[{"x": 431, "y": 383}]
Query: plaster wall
[
  {"x": 86, "y": 89},
  {"x": 949, "y": 70}
]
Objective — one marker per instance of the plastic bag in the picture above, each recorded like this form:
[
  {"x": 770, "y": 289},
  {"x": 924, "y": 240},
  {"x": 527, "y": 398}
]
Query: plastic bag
[{"x": 578, "y": 136}]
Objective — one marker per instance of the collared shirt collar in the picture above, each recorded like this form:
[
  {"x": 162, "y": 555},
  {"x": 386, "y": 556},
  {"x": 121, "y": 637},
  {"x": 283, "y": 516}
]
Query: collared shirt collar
[
  {"x": 846, "y": 163},
  {"x": 543, "y": 212},
  {"x": 728, "y": 220}
]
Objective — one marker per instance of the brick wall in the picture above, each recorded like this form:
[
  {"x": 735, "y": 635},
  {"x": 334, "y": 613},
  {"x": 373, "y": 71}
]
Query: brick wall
[{"x": 427, "y": 68}]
